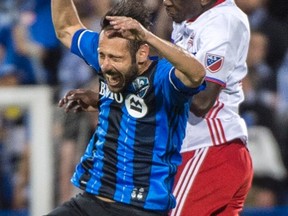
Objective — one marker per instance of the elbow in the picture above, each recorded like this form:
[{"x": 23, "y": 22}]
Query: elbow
[
  {"x": 61, "y": 32},
  {"x": 198, "y": 78},
  {"x": 65, "y": 34},
  {"x": 58, "y": 32},
  {"x": 201, "y": 74},
  {"x": 201, "y": 77},
  {"x": 199, "y": 111},
  {"x": 63, "y": 37},
  {"x": 201, "y": 104},
  {"x": 60, "y": 35}
]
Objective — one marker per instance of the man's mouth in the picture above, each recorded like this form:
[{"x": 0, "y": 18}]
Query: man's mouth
[{"x": 113, "y": 79}]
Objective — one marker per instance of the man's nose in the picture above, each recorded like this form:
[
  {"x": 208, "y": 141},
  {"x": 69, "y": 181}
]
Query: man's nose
[{"x": 105, "y": 64}]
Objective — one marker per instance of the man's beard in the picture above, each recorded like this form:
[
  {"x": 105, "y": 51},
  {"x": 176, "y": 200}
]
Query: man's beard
[
  {"x": 127, "y": 78},
  {"x": 134, "y": 71}
]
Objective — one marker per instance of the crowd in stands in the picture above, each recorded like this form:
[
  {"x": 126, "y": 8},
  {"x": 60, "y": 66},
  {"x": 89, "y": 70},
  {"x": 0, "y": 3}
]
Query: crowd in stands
[{"x": 30, "y": 54}]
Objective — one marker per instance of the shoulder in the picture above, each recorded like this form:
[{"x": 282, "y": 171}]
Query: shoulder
[
  {"x": 84, "y": 35},
  {"x": 84, "y": 44},
  {"x": 228, "y": 14},
  {"x": 222, "y": 23},
  {"x": 163, "y": 67}
]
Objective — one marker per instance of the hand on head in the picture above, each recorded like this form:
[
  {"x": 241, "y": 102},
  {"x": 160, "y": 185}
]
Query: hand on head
[{"x": 129, "y": 28}]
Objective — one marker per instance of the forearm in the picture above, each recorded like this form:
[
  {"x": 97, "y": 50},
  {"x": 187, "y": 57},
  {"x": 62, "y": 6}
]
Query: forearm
[
  {"x": 190, "y": 71},
  {"x": 65, "y": 19},
  {"x": 204, "y": 100}
]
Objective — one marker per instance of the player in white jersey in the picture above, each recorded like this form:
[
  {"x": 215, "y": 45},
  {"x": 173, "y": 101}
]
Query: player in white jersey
[{"x": 216, "y": 173}]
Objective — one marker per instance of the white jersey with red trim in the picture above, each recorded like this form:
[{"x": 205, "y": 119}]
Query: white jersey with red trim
[{"x": 219, "y": 38}]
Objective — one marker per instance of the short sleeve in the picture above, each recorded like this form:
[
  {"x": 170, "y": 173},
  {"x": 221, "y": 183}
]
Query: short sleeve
[
  {"x": 85, "y": 44},
  {"x": 173, "y": 89}
]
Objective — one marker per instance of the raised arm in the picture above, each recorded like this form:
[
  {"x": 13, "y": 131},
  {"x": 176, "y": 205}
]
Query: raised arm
[
  {"x": 66, "y": 20},
  {"x": 188, "y": 69}
]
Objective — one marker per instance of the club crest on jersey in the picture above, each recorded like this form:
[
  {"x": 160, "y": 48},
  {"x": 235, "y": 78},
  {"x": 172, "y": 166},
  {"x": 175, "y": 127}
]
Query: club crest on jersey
[
  {"x": 141, "y": 85},
  {"x": 214, "y": 62},
  {"x": 136, "y": 106}
]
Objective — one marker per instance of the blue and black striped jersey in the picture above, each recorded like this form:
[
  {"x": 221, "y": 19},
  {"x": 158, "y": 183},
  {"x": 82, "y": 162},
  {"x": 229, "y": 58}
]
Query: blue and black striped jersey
[{"x": 134, "y": 152}]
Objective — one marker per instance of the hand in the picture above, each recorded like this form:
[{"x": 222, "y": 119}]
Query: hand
[
  {"x": 79, "y": 100},
  {"x": 129, "y": 28}
]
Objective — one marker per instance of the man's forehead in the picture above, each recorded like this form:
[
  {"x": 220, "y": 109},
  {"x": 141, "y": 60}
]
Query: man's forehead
[{"x": 106, "y": 41}]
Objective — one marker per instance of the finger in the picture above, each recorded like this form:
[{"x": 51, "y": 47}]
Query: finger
[
  {"x": 116, "y": 17},
  {"x": 118, "y": 21},
  {"x": 62, "y": 102},
  {"x": 69, "y": 93},
  {"x": 70, "y": 105},
  {"x": 65, "y": 99},
  {"x": 78, "y": 108},
  {"x": 76, "y": 96}
]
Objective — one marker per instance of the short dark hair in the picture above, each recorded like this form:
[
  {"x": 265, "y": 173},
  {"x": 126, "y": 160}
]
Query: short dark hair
[
  {"x": 134, "y": 9},
  {"x": 129, "y": 8}
]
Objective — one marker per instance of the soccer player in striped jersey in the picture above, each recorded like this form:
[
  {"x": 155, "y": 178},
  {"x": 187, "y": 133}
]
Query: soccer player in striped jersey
[
  {"x": 216, "y": 173},
  {"x": 130, "y": 162}
]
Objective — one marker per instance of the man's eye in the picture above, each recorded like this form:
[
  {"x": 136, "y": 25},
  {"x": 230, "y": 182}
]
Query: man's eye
[{"x": 116, "y": 59}]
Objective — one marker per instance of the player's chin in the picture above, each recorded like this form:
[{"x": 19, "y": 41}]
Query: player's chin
[
  {"x": 115, "y": 89},
  {"x": 177, "y": 18},
  {"x": 173, "y": 15}
]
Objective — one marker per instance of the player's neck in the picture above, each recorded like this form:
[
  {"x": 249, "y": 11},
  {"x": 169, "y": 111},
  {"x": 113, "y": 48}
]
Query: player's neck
[
  {"x": 204, "y": 7},
  {"x": 209, "y": 5},
  {"x": 143, "y": 66}
]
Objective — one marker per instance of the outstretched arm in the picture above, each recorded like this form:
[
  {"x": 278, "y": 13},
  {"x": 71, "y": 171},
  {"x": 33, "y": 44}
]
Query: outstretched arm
[
  {"x": 188, "y": 69},
  {"x": 66, "y": 20}
]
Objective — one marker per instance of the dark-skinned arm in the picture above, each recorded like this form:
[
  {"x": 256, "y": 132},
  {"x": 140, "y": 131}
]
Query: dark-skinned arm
[
  {"x": 204, "y": 100},
  {"x": 79, "y": 100}
]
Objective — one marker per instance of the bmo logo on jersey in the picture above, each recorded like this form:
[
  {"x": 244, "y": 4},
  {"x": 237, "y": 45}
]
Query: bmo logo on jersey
[
  {"x": 104, "y": 91},
  {"x": 135, "y": 106}
]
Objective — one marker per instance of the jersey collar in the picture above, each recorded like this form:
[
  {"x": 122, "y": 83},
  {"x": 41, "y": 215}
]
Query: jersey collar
[{"x": 216, "y": 3}]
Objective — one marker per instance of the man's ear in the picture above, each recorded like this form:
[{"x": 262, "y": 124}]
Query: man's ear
[{"x": 142, "y": 53}]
